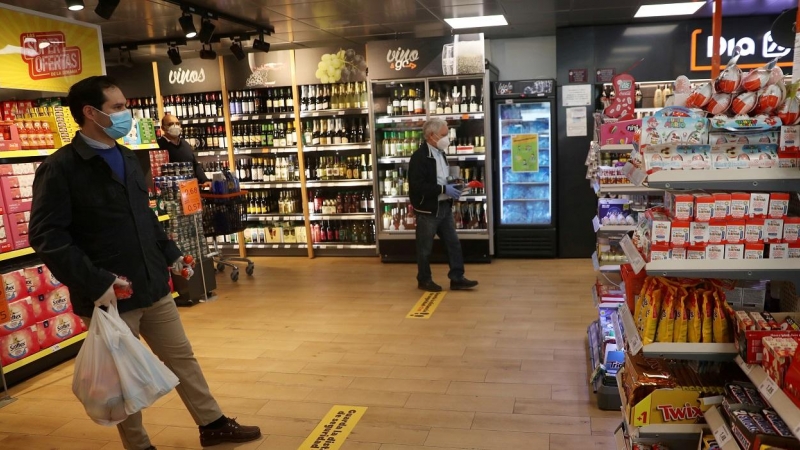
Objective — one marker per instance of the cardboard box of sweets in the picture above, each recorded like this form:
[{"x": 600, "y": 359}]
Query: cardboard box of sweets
[
  {"x": 753, "y": 422},
  {"x": 752, "y": 327}
]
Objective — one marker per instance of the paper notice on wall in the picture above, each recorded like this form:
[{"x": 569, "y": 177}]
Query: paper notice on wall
[
  {"x": 576, "y": 95},
  {"x": 576, "y": 121}
]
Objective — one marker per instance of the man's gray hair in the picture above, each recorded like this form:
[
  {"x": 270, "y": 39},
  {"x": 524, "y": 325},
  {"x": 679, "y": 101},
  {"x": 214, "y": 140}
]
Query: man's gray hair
[{"x": 432, "y": 126}]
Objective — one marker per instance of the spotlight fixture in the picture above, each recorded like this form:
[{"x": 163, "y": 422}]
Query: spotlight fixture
[
  {"x": 207, "y": 53},
  {"x": 237, "y": 50},
  {"x": 260, "y": 44},
  {"x": 174, "y": 55},
  {"x": 105, "y": 8},
  {"x": 187, "y": 25},
  {"x": 206, "y": 31},
  {"x": 74, "y": 5}
]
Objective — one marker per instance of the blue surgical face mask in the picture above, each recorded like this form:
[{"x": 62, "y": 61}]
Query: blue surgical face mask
[{"x": 121, "y": 124}]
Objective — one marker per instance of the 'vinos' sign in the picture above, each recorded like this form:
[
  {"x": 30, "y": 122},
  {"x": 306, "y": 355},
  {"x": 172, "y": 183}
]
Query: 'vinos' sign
[{"x": 181, "y": 76}]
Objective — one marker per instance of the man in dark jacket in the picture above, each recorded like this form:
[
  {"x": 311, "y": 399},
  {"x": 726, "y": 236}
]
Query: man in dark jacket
[
  {"x": 432, "y": 198},
  {"x": 180, "y": 150},
  {"x": 91, "y": 224}
]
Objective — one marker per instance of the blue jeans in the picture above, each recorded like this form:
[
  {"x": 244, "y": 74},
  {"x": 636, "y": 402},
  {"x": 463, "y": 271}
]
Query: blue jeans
[{"x": 443, "y": 224}]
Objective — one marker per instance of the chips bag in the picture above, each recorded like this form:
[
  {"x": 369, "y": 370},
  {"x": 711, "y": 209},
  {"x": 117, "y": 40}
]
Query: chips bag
[
  {"x": 707, "y": 311},
  {"x": 666, "y": 322},
  {"x": 680, "y": 332},
  {"x": 651, "y": 314},
  {"x": 720, "y": 321},
  {"x": 695, "y": 333},
  {"x": 642, "y": 302}
]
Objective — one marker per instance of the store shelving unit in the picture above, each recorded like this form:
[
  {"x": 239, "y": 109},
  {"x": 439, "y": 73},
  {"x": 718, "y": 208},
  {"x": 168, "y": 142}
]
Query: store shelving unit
[
  {"x": 746, "y": 269},
  {"x": 785, "y": 408},
  {"x": 782, "y": 180},
  {"x": 721, "y": 430}
]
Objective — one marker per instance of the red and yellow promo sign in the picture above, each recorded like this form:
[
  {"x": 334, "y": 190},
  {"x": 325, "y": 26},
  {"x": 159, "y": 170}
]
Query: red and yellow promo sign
[
  {"x": 46, "y": 53},
  {"x": 190, "y": 196}
]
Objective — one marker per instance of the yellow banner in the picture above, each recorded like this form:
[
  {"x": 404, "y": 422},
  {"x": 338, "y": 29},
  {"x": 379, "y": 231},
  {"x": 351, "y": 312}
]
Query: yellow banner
[
  {"x": 426, "y": 305},
  {"x": 41, "y": 52},
  {"x": 333, "y": 429}
]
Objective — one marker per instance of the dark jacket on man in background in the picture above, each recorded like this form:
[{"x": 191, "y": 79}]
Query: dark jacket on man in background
[
  {"x": 183, "y": 152},
  {"x": 88, "y": 225},
  {"x": 423, "y": 187}
]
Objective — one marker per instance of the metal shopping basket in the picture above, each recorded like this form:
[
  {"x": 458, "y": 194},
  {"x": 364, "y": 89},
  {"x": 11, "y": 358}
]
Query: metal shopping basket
[{"x": 225, "y": 214}]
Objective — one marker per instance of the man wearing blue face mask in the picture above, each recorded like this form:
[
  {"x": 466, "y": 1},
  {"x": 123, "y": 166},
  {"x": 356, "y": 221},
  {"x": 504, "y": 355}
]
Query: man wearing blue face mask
[
  {"x": 432, "y": 198},
  {"x": 91, "y": 224}
]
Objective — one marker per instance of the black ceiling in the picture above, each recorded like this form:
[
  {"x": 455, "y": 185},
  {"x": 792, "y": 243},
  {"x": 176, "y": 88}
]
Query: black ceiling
[{"x": 301, "y": 23}]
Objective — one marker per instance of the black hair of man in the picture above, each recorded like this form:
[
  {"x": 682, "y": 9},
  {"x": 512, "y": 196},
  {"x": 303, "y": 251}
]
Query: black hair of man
[{"x": 89, "y": 91}]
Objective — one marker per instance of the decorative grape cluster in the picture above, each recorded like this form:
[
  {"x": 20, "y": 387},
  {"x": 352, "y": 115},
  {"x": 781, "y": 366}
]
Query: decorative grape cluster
[{"x": 343, "y": 66}]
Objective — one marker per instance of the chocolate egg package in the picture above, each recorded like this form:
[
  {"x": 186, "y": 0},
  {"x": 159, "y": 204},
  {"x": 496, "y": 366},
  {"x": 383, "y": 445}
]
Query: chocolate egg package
[
  {"x": 760, "y": 77},
  {"x": 700, "y": 96},
  {"x": 789, "y": 110},
  {"x": 730, "y": 78},
  {"x": 770, "y": 98}
]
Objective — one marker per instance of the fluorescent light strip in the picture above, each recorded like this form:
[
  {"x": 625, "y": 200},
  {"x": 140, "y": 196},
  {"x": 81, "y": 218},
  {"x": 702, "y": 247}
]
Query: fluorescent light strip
[
  {"x": 477, "y": 21},
  {"x": 669, "y": 9}
]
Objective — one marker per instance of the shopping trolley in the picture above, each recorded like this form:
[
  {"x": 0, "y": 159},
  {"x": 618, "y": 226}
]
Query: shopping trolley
[{"x": 225, "y": 214}]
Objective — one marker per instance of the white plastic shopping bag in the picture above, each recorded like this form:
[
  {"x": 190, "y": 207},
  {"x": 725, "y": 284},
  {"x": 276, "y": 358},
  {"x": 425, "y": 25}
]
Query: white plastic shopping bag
[
  {"x": 143, "y": 377},
  {"x": 96, "y": 380}
]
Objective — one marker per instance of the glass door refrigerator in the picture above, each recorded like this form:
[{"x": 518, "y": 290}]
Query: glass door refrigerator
[{"x": 524, "y": 167}]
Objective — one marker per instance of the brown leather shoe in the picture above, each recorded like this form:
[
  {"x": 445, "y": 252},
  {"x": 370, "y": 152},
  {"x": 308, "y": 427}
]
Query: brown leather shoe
[{"x": 230, "y": 432}]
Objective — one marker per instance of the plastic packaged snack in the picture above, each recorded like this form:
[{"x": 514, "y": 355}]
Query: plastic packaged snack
[
  {"x": 680, "y": 332},
  {"x": 651, "y": 314},
  {"x": 721, "y": 332},
  {"x": 695, "y": 318},
  {"x": 707, "y": 311},
  {"x": 666, "y": 322}
]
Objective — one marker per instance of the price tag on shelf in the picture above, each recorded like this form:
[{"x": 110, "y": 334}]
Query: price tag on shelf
[
  {"x": 796, "y": 431},
  {"x": 340, "y": 113},
  {"x": 283, "y": 116},
  {"x": 722, "y": 435},
  {"x": 340, "y": 247},
  {"x": 635, "y": 258},
  {"x": 316, "y": 114},
  {"x": 44, "y": 152},
  {"x": 596, "y": 223},
  {"x": 746, "y": 368},
  {"x": 595, "y": 262},
  {"x": 190, "y": 197},
  {"x": 55, "y": 348},
  {"x": 276, "y": 246},
  {"x": 768, "y": 388}
]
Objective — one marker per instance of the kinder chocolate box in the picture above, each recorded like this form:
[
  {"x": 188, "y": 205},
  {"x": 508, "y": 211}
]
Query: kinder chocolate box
[
  {"x": 790, "y": 139},
  {"x": 778, "y": 205},
  {"x": 753, "y": 251},
  {"x": 762, "y": 156},
  {"x": 779, "y": 251},
  {"x": 734, "y": 251},
  {"x": 680, "y": 233},
  {"x": 734, "y": 231},
  {"x": 759, "y": 204},
  {"x": 715, "y": 251},
  {"x": 660, "y": 226},
  {"x": 660, "y": 252},
  {"x": 703, "y": 207},
  {"x": 716, "y": 231},
  {"x": 791, "y": 229},
  {"x": 698, "y": 233},
  {"x": 18, "y": 345},
  {"x": 681, "y": 157},
  {"x": 740, "y": 204},
  {"x": 718, "y": 138},
  {"x": 15, "y": 285},
  {"x": 794, "y": 250},
  {"x": 21, "y": 316},
  {"x": 624, "y": 132},
  {"x": 52, "y": 303},
  {"x": 677, "y": 252},
  {"x": 680, "y": 206},
  {"x": 722, "y": 206},
  {"x": 773, "y": 230},
  {"x": 696, "y": 252},
  {"x": 754, "y": 231},
  {"x": 675, "y": 125},
  {"x": 788, "y": 160},
  {"x": 59, "y": 328}
]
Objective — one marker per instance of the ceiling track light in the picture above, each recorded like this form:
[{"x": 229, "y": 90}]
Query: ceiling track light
[
  {"x": 174, "y": 55},
  {"x": 208, "y": 53},
  {"x": 105, "y": 8},
  {"x": 206, "y": 31},
  {"x": 260, "y": 44},
  {"x": 74, "y": 5},
  {"x": 187, "y": 25},
  {"x": 237, "y": 50}
]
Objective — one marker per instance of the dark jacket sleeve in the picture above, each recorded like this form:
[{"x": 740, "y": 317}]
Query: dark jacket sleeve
[
  {"x": 51, "y": 217},
  {"x": 168, "y": 247},
  {"x": 419, "y": 181},
  {"x": 198, "y": 171}
]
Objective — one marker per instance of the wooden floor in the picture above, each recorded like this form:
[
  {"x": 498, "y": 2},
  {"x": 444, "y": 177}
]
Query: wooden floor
[{"x": 502, "y": 367}]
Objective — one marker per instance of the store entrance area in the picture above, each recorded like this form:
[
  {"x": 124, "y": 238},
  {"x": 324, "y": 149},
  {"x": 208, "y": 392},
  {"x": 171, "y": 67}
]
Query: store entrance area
[{"x": 502, "y": 367}]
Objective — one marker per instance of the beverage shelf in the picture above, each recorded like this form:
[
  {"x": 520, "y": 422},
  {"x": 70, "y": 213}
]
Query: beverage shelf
[
  {"x": 354, "y": 216},
  {"x": 258, "y": 150},
  {"x": 401, "y": 119},
  {"x": 211, "y": 153},
  {"x": 251, "y": 117},
  {"x": 461, "y": 157},
  {"x": 616, "y": 148},
  {"x": 526, "y": 199},
  {"x": 671, "y": 350},
  {"x": 163, "y": 218},
  {"x": 26, "y": 153},
  {"x": 16, "y": 254},
  {"x": 394, "y": 159},
  {"x": 338, "y": 183},
  {"x": 744, "y": 269},
  {"x": 782, "y": 179},
  {"x": 271, "y": 185},
  {"x": 460, "y": 116},
  {"x": 722, "y": 433},
  {"x": 343, "y": 245},
  {"x": 334, "y": 112},
  {"x": 200, "y": 120},
  {"x": 45, "y": 352},
  {"x": 599, "y": 228},
  {"x": 781, "y": 403},
  {"x": 337, "y": 147},
  {"x": 275, "y": 217},
  {"x": 265, "y": 246},
  {"x": 403, "y": 199},
  {"x": 477, "y": 235}
]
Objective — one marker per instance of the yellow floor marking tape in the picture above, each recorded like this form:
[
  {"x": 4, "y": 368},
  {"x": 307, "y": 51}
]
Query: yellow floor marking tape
[
  {"x": 426, "y": 305},
  {"x": 334, "y": 428}
]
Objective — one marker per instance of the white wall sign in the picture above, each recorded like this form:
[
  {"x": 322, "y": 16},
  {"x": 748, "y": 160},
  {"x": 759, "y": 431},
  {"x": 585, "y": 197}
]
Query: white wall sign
[{"x": 576, "y": 95}]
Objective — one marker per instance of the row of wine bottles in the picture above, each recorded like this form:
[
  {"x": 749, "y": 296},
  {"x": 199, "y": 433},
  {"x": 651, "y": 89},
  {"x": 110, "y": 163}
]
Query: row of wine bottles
[
  {"x": 411, "y": 101},
  {"x": 194, "y": 106}
]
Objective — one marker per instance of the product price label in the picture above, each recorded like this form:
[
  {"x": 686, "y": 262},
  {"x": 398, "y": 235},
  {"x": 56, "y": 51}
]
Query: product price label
[
  {"x": 341, "y": 113},
  {"x": 722, "y": 435},
  {"x": 314, "y": 114},
  {"x": 190, "y": 197},
  {"x": 635, "y": 258},
  {"x": 596, "y": 224},
  {"x": 796, "y": 430},
  {"x": 55, "y": 348},
  {"x": 768, "y": 388},
  {"x": 747, "y": 368}
]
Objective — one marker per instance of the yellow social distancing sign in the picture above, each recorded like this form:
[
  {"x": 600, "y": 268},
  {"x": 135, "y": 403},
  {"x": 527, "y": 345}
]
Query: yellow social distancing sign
[
  {"x": 426, "y": 305},
  {"x": 333, "y": 429}
]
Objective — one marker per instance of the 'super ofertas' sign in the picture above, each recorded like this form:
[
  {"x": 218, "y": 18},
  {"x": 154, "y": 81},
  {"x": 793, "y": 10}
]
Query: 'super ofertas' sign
[
  {"x": 757, "y": 48},
  {"x": 46, "y": 53}
]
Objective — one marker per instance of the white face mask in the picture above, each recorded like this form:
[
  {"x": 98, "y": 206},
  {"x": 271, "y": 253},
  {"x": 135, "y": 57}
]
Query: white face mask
[
  {"x": 443, "y": 143},
  {"x": 174, "y": 131}
]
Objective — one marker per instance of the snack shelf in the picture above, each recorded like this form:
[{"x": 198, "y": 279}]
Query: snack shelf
[
  {"x": 44, "y": 352},
  {"x": 163, "y": 218},
  {"x": 598, "y": 228},
  {"x": 275, "y": 185},
  {"x": 339, "y": 183},
  {"x": 334, "y": 112},
  {"x": 672, "y": 350},
  {"x": 616, "y": 148},
  {"x": 16, "y": 254},
  {"x": 605, "y": 267},
  {"x": 779, "y": 401},
  {"x": 275, "y": 217},
  {"x": 722, "y": 433},
  {"x": 26, "y": 153},
  {"x": 604, "y": 304},
  {"x": 337, "y": 147},
  {"x": 401, "y": 119},
  {"x": 245, "y": 117},
  {"x": 622, "y": 189},
  {"x": 460, "y": 116},
  {"x": 782, "y": 179},
  {"x": 738, "y": 269}
]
